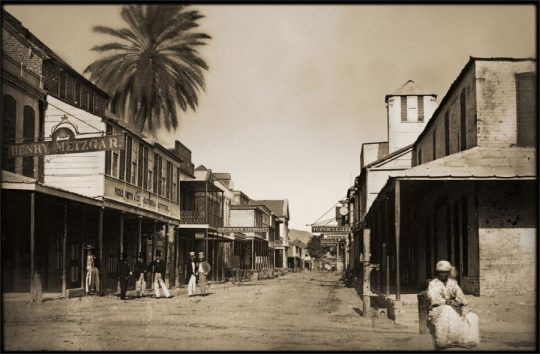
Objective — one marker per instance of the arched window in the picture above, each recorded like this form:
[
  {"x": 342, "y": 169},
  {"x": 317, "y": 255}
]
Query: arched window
[
  {"x": 29, "y": 124},
  {"x": 9, "y": 119}
]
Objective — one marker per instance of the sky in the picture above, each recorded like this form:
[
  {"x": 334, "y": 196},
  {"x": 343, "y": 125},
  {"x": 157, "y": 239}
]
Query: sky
[{"x": 293, "y": 92}]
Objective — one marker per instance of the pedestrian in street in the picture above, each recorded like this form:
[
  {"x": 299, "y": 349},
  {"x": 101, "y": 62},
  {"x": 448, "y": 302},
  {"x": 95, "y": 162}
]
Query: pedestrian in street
[
  {"x": 92, "y": 273},
  {"x": 453, "y": 324},
  {"x": 139, "y": 273},
  {"x": 192, "y": 272},
  {"x": 158, "y": 270},
  {"x": 204, "y": 269},
  {"x": 123, "y": 275}
]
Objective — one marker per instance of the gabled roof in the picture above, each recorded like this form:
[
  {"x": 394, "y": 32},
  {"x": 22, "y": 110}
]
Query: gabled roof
[
  {"x": 279, "y": 207},
  {"x": 389, "y": 157},
  {"x": 410, "y": 88}
]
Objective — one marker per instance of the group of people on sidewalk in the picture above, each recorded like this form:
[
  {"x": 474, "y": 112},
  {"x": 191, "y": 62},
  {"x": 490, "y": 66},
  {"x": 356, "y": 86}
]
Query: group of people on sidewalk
[{"x": 196, "y": 270}]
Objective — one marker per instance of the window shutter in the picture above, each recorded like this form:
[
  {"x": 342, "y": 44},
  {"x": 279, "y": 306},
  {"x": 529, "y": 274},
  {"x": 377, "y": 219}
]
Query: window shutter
[
  {"x": 122, "y": 174},
  {"x": 403, "y": 100},
  {"x": 128, "y": 158},
  {"x": 29, "y": 124},
  {"x": 8, "y": 130},
  {"x": 109, "y": 131},
  {"x": 526, "y": 109},
  {"x": 420, "y": 108}
]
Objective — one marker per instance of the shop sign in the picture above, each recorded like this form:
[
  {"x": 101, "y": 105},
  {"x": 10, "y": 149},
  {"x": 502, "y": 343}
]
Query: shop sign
[
  {"x": 331, "y": 229},
  {"x": 242, "y": 229},
  {"x": 70, "y": 146}
]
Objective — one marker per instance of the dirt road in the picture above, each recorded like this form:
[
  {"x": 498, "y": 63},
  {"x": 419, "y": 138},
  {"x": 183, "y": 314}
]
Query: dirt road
[{"x": 299, "y": 311}]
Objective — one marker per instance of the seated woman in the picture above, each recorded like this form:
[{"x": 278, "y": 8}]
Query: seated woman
[{"x": 453, "y": 324}]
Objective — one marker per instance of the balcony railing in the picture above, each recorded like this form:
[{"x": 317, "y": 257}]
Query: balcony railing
[
  {"x": 11, "y": 65},
  {"x": 194, "y": 217}
]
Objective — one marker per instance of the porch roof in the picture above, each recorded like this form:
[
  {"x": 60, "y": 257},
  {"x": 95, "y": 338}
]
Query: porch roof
[{"x": 478, "y": 163}]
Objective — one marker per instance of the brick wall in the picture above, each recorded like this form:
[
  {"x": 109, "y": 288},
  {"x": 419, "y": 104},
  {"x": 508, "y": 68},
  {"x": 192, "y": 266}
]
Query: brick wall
[
  {"x": 496, "y": 99},
  {"x": 507, "y": 230},
  {"x": 14, "y": 48},
  {"x": 452, "y": 106}
]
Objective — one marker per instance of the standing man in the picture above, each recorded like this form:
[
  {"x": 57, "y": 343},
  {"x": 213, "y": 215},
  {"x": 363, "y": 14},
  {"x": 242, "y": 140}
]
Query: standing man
[
  {"x": 204, "y": 269},
  {"x": 158, "y": 270},
  {"x": 192, "y": 267},
  {"x": 139, "y": 273},
  {"x": 123, "y": 274},
  {"x": 90, "y": 273}
]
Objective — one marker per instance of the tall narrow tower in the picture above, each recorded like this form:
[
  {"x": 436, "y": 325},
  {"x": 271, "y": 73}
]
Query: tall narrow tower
[{"x": 408, "y": 109}]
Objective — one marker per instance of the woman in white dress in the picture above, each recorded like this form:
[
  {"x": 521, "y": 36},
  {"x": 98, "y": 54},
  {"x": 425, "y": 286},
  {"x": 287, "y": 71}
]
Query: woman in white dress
[{"x": 454, "y": 325}]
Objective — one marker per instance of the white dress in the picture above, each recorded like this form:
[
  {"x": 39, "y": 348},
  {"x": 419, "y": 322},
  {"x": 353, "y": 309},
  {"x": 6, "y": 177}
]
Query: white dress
[{"x": 451, "y": 327}]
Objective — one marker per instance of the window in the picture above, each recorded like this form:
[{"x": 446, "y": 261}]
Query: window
[
  {"x": 115, "y": 159},
  {"x": 133, "y": 178},
  {"x": 62, "y": 84},
  {"x": 9, "y": 117},
  {"x": 434, "y": 144},
  {"x": 463, "y": 120},
  {"x": 403, "y": 100},
  {"x": 84, "y": 97},
  {"x": 145, "y": 169},
  {"x": 420, "y": 108},
  {"x": 77, "y": 97},
  {"x": 129, "y": 147},
  {"x": 156, "y": 174},
  {"x": 140, "y": 167},
  {"x": 69, "y": 88},
  {"x": 122, "y": 169},
  {"x": 447, "y": 133},
  {"x": 29, "y": 124},
  {"x": 108, "y": 154},
  {"x": 169, "y": 180},
  {"x": 526, "y": 109},
  {"x": 90, "y": 100}
]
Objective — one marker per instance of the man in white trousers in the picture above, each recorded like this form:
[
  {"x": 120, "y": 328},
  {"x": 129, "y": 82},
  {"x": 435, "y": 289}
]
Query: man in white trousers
[
  {"x": 158, "y": 270},
  {"x": 192, "y": 272}
]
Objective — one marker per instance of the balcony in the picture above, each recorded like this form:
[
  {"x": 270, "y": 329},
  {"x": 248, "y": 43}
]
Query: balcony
[
  {"x": 19, "y": 69},
  {"x": 195, "y": 217}
]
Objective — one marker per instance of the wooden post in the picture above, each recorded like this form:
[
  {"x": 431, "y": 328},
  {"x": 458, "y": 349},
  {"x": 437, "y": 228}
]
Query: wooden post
[
  {"x": 176, "y": 258},
  {"x": 386, "y": 261},
  {"x": 166, "y": 253},
  {"x": 121, "y": 233},
  {"x": 139, "y": 235},
  {"x": 366, "y": 285},
  {"x": 83, "y": 254},
  {"x": 214, "y": 260},
  {"x": 64, "y": 252},
  {"x": 102, "y": 271},
  {"x": 397, "y": 225},
  {"x": 253, "y": 254},
  {"x": 154, "y": 241}
]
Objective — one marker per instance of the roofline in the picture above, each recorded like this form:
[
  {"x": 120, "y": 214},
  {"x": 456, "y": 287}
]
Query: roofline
[
  {"x": 164, "y": 149},
  {"x": 416, "y": 94},
  {"x": 454, "y": 85},
  {"x": 389, "y": 156}
]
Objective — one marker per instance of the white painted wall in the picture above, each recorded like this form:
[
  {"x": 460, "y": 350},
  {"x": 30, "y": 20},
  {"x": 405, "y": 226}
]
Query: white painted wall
[
  {"x": 401, "y": 134},
  {"x": 81, "y": 173},
  {"x": 244, "y": 218}
]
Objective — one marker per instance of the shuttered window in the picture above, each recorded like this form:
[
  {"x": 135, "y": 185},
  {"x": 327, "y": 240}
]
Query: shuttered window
[
  {"x": 128, "y": 158},
  {"x": 77, "y": 97},
  {"x": 169, "y": 179},
  {"x": 69, "y": 88},
  {"x": 156, "y": 174},
  {"x": 526, "y": 109},
  {"x": 140, "y": 166},
  {"x": 8, "y": 130},
  {"x": 84, "y": 97},
  {"x": 29, "y": 125},
  {"x": 145, "y": 168},
  {"x": 62, "y": 84},
  {"x": 463, "y": 120},
  {"x": 122, "y": 163},
  {"x": 109, "y": 131},
  {"x": 420, "y": 108},
  {"x": 447, "y": 133},
  {"x": 403, "y": 100}
]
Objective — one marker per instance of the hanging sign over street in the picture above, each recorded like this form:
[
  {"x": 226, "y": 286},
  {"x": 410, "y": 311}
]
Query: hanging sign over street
[
  {"x": 69, "y": 146},
  {"x": 332, "y": 229},
  {"x": 242, "y": 229}
]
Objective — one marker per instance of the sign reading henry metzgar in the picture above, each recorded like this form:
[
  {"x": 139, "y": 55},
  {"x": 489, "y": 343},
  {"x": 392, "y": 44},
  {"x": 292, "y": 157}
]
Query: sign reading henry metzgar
[{"x": 269, "y": 178}]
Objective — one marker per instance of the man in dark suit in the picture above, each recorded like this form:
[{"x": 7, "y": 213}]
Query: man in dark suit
[
  {"x": 158, "y": 270},
  {"x": 139, "y": 272},
  {"x": 192, "y": 267},
  {"x": 123, "y": 275}
]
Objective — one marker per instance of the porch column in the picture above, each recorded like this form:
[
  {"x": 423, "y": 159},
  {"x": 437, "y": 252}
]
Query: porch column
[
  {"x": 176, "y": 258},
  {"x": 397, "y": 226},
  {"x": 121, "y": 233},
  {"x": 139, "y": 234},
  {"x": 35, "y": 282},
  {"x": 253, "y": 254},
  {"x": 64, "y": 252},
  {"x": 83, "y": 254},
  {"x": 214, "y": 259},
  {"x": 154, "y": 241},
  {"x": 166, "y": 253},
  {"x": 386, "y": 261},
  {"x": 100, "y": 247},
  {"x": 366, "y": 285}
]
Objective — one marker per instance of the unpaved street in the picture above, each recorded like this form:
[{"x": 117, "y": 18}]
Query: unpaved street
[{"x": 298, "y": 311}]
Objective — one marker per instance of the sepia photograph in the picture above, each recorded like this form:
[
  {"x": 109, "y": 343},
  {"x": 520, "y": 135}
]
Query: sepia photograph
[{"x": 269, "y": 177}]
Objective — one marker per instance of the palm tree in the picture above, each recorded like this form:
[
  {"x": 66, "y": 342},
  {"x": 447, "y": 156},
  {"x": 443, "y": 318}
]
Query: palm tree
[{"x": 155, "y": 68}]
